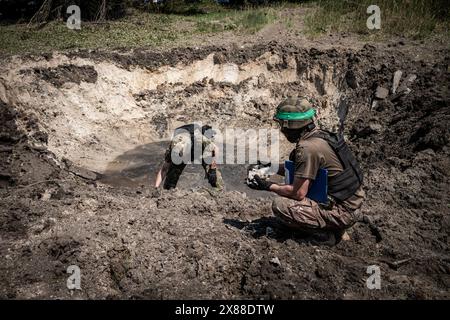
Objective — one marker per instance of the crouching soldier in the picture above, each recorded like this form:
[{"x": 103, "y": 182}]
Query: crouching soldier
[
  {"x": 325, "y": 223},
  {"x": 183, "y": 146}
]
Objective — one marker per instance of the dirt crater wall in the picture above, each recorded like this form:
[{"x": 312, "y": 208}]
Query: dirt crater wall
[{"x": 93, "y": 111}]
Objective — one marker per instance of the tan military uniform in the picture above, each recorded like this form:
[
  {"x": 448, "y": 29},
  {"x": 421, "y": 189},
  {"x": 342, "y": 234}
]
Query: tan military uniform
[
  {"x": 180, "y": 144},
  {"x": 310, "y": 154}
]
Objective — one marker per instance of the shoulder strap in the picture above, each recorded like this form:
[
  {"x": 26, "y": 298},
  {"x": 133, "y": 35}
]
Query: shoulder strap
[{"x": 330, "y": 137}]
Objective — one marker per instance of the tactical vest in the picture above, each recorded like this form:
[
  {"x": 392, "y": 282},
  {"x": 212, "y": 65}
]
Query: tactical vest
[{"x": 344, "y": 184}]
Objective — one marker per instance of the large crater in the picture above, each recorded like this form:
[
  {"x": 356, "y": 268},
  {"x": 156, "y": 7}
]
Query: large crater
[{"x": 113, "y": 116}]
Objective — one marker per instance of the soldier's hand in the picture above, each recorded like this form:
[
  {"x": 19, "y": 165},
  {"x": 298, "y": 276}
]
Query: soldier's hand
[{"x": 259, "y": 184}]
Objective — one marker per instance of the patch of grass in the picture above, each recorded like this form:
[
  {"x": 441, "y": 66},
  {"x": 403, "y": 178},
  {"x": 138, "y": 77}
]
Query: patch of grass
[
  {"x": 241, "y": 20},
  {"x": 137, "y": 30},
  {"x": 288, "y": 23},
  {"x": 409, "y": 18},
  {"x": 255, "y": 20}
]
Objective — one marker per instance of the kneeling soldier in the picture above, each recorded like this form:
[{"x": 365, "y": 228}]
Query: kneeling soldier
[{"x": 315, "y": 149}]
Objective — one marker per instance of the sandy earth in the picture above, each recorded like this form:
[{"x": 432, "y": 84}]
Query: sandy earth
[{"x": 83, "y": 134}]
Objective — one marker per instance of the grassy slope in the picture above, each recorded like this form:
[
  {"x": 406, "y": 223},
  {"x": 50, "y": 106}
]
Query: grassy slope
[
  {"x": 139, "y": 29},
  {"x": 414, "y": 19},
  {"x": 408, "y": 18}
]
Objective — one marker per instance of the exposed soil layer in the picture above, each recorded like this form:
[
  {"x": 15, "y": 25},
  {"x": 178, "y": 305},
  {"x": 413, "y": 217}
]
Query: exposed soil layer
[
  {"x": 67, "y": 73},
  {"x": 64, "y": 146}
]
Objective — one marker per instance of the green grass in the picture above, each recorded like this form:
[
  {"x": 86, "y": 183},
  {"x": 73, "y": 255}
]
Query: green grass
[
  {"x": 139, "y": 29},
  {"x": 415, "y": 19},
  {"x": 248, "y": 21},
  {"x": 410, "y": 18}
]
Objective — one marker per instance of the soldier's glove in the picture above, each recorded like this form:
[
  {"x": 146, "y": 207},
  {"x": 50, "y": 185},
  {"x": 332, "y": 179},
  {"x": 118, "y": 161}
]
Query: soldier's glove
[
  {"x": 259, "y": 184},
  {"x": 212, "y": 177}
]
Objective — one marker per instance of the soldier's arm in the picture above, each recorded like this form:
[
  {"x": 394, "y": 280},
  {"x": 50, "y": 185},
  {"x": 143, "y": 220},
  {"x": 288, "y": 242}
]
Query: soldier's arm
[
  {"x": 162, "y": 174},
  {"x": 296, "y": 191},
  {"x": 214, "y": 154}
]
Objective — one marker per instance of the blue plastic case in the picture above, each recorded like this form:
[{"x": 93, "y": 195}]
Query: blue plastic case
[{"x": 318, "y": 189}]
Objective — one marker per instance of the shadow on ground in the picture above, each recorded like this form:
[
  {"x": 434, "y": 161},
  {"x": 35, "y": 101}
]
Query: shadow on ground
[{"x": 269, "y": 227}]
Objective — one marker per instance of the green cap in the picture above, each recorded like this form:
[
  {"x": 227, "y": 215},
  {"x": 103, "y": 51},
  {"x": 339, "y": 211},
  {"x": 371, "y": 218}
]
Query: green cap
[{"x": 295, "y": 113}]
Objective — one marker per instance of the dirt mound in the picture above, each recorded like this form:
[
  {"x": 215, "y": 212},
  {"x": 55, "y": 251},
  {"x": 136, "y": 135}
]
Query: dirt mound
[{"x": 131, "y": 241}]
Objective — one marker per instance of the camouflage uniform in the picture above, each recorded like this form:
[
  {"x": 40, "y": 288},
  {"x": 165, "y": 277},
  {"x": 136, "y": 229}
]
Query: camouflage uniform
[
  {"x": 181, "y": 143},
  {"x": 308, "y": 215}
]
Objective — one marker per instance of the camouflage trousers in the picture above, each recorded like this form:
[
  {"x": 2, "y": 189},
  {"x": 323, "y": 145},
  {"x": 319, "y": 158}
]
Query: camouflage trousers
[
  {"x": 309, "y": 216},
  {"x": 175, "y": 171}
]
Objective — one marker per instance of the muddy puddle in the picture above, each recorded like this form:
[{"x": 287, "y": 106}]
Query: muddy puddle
[{"x": 138, "y": 167}]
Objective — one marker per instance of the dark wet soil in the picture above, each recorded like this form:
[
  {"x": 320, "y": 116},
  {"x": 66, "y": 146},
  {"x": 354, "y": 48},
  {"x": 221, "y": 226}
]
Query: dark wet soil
[{"x": 67, "y": 73}]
